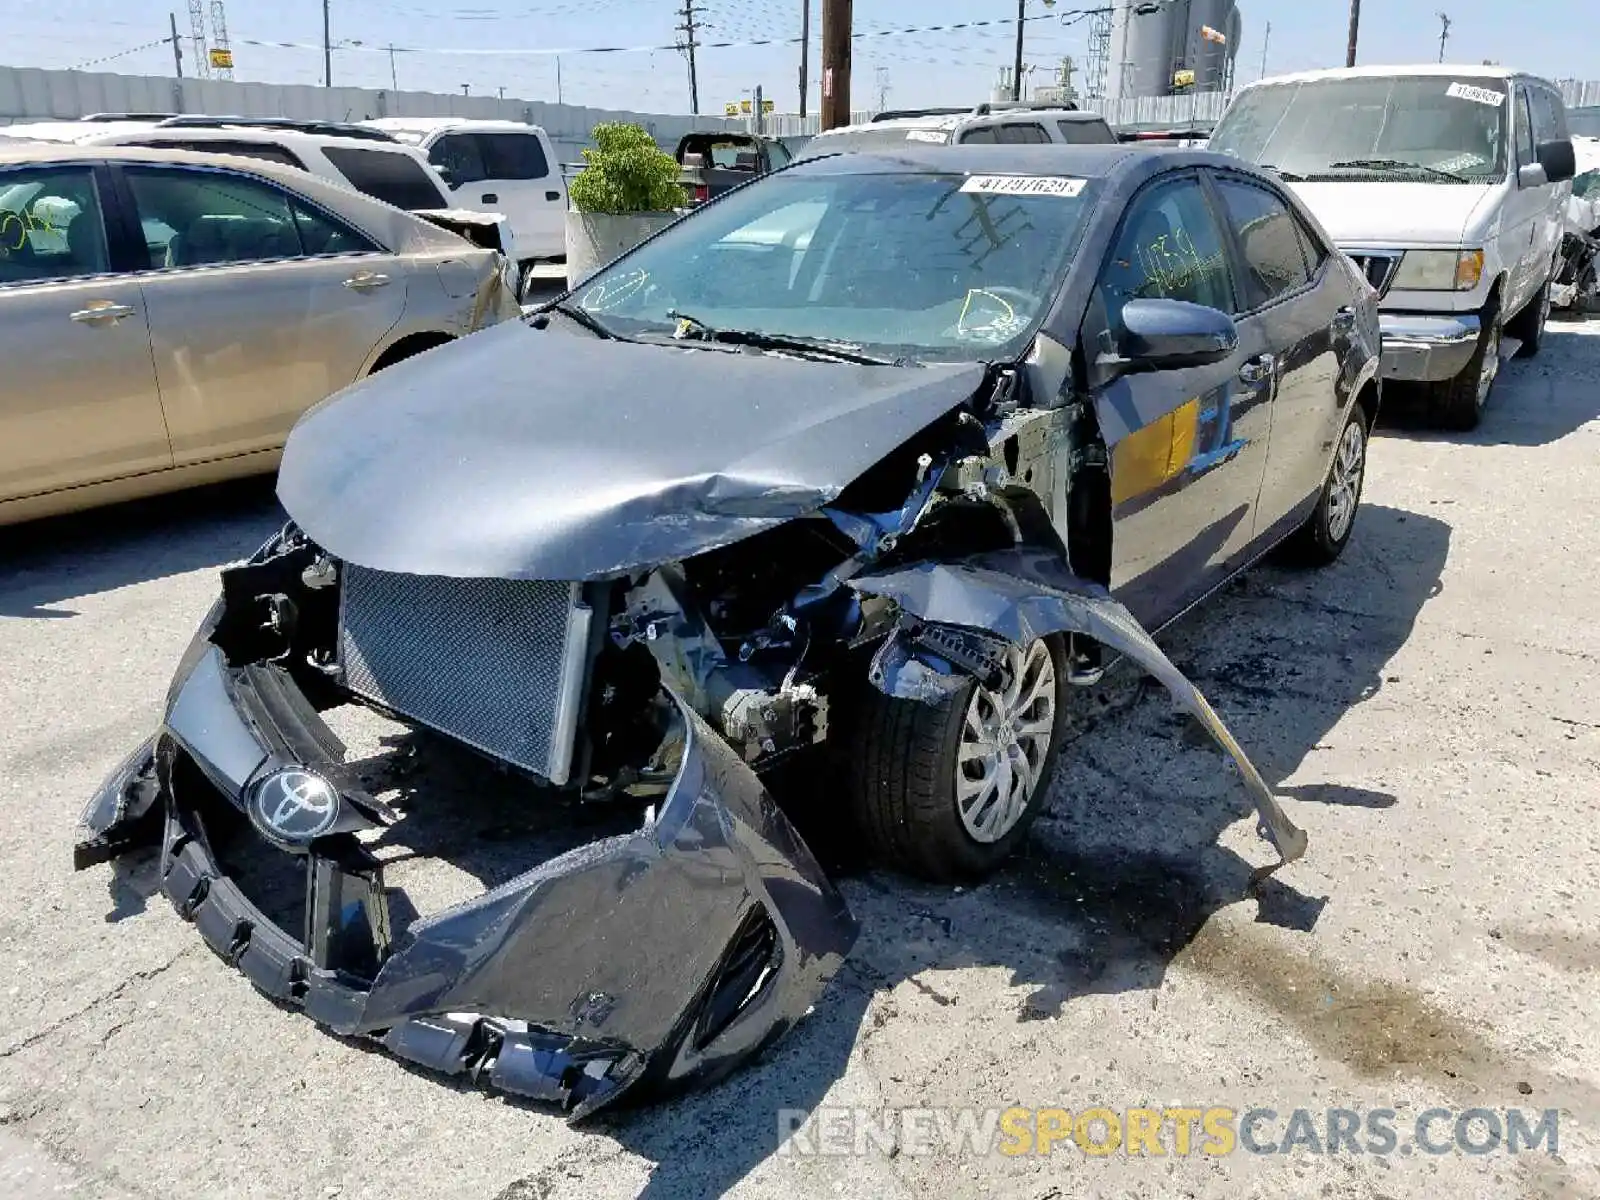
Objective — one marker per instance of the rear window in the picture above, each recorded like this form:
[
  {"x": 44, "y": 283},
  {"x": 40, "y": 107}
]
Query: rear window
[
  {"x": 512, "y": 156},
  {"x": 1085, "y": 133},
  {"x": 395, "y": 179}
]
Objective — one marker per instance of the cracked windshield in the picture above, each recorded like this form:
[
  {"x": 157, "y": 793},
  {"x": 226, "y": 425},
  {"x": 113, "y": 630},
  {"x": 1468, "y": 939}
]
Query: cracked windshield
[
  {"x": 919, "y": 266},
  {"x": 1430, "y": 129}
]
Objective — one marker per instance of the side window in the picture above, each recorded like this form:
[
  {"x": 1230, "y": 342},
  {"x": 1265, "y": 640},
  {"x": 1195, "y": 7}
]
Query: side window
[
  {"x": 1316, "y": 253},
  {"x": 387, "y": 175},
  {"x": 979, "y": 137},
  {"x": 512, "y": 156},
  {"x": 1524, "y": 129},
  {"x": 1549, "y": 117},
  {"x": 458, "y": 156},
  {"x": 778, "y": 155},
  {"x": 1169, "y": 248},
  {"x": 210, "y": 218},
  {"x": 1271, "y": 242},
  {"x": 50, "y": 226},
  {"x": 1023, "y": 135}
]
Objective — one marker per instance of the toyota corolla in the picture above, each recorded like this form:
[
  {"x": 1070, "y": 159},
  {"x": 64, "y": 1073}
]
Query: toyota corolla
[{"x": 876, "y": 457}]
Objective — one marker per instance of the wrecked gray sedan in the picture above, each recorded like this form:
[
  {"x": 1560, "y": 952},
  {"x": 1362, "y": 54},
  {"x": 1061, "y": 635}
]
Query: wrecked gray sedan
[{"x": 875, "y": 457}]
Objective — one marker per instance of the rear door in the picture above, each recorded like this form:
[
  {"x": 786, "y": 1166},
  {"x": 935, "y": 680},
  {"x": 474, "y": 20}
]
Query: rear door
[
  {"x": 1188, "y": 447},
  {"x": 518, "y": 170},
  {"x": 1298, "y": 305},
  {"x": 260, "y": 304},
  {"x": 78, "y": 396}
]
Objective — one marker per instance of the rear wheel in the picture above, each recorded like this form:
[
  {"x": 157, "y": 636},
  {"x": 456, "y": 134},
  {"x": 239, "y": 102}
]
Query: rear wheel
[
  {"x": 948, "y": 791},
  {"x": 1327, "y": 531},
  {"x": 1458, "y": 403}
]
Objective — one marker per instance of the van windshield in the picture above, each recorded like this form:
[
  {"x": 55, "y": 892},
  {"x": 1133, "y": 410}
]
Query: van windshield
[{"x": 1424, "y": 128}]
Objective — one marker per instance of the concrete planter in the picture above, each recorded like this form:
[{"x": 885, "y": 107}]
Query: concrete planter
[{"x": 595, "y": 239}]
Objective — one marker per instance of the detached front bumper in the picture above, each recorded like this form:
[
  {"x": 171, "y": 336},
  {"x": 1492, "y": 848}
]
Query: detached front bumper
[
  {"x": 634, "y": 964},
  {"x": 1427, "y": 347}
]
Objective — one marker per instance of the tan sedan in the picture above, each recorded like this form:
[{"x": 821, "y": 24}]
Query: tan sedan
[{"x": 166, "y": 316}]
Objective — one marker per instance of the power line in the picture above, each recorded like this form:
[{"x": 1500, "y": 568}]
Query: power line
[{"x": 120, "y": 54}]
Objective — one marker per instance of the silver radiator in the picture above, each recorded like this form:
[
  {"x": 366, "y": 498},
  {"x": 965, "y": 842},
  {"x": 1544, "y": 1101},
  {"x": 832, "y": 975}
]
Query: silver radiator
[{"x": 495, "y": 663}]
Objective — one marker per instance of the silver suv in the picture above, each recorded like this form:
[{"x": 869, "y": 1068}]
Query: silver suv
[{"x": 1017, "y": 123}]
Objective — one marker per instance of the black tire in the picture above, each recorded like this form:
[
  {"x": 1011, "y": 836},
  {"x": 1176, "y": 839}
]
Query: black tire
[
  {"x": 1528, "y": 325},
  {"x": 1459, "y": 403},
  {"x": 901, "y": 777},
  {"x": 1322, "y": 539}
]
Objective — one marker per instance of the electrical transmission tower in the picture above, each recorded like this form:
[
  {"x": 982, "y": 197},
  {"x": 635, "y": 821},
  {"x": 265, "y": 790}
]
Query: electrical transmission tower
[
  {"x": 197, "y": 32},
  {"x": 688, "y": 46},
  {"x": 1099, "y": 55},
  {"x": 883, "y": 88},
  {"x": 219, "y": 35}
]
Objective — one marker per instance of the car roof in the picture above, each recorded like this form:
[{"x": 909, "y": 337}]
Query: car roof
[
  {"x": 1080, "y": 162},
  {"x": 1449, "y": 70},
  {"x": 431, "y": 124},
  {"x": 103, "y": 133}
]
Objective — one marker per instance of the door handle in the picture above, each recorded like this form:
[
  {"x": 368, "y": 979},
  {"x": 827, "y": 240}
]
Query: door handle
[
  {"x": 1258, "y": 369},
  {"x": 103, "y": 312},
  {"x": 491, "y": 197},
  {"x": 363, "y": 281}
]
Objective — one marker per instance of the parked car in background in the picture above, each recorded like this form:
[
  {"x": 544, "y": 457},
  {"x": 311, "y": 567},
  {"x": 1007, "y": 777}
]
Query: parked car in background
[
  {"x": 166, "y": 316},
  {"x": 1006, "y": 124},
  {"x": 1577, "y": 283},
  {"x": 367, "y": 160},
  {"x": 883, "y": 487},
  {"x": 715, "y": 162},
  {"x": 1448, "y": 184},
  {"x": 496, "y": 166}
]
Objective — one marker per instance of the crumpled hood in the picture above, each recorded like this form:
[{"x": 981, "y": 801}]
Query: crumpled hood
[
  {"x": 527, "y": 454},
  {"x": 1393, "y": 214}
]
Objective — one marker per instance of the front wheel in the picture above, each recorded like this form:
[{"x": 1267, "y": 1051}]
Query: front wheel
[
  {"x": 1458, "y": 403},
  {"x": 948, "y": 791},
  {"x": 1529, "y": 324}
]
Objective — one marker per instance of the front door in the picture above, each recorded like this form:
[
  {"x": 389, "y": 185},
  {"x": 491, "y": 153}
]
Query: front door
[
  {"x": 78, "y": 396},
  {"x": 1188, "y": 447},
  {"x": 260, "y": 305}
]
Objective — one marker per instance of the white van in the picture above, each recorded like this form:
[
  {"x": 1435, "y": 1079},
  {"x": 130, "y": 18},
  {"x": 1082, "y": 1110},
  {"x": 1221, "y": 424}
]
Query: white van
[
  {"x": 1447, "y": 185},
  {"x": 496, "y": 166}
]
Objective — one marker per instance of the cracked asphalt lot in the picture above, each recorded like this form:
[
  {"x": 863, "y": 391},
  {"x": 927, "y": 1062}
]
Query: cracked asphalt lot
[{"x": 1428, "y": 707}]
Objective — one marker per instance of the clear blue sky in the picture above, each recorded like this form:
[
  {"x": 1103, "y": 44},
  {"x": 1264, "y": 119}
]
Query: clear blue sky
[{"x": 1552, "y": 37}]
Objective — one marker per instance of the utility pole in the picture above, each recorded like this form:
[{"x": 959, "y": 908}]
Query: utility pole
[
  {"x": 1016, "y": 74},
  {"x": 836, "y": 23},
  {"x": 760, "y": 117},
  {"x": 394, "y": 78},
  {"x": 327, "y": 49},
  {"x": 805, "y": 52},
  {"x": 688, "y": 45},
  {"x": 558, "y": 79},
  {"x": 1355, "y": 29},
  {"x": 177, "y": 46},
  {"x": 1266, "y": 42},
  {"x": 1444, "y": 33}
]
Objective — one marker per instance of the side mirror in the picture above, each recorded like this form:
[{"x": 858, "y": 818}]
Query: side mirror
[
  {"x": 1167, "y": 335},
  {"x": 1559, "y": 160}
]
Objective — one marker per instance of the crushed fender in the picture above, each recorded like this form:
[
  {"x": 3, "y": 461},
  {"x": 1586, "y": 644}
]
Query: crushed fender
[{"x": 1022, "y": 594}]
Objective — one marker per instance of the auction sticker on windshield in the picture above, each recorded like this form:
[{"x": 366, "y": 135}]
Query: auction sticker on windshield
[
  {"x": 1025, "y": 185},
  {"x": 1466, "y": 91}
]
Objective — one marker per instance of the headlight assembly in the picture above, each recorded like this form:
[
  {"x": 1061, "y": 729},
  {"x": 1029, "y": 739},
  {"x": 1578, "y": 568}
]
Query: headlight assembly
[{"x": 1439, "y": 271}]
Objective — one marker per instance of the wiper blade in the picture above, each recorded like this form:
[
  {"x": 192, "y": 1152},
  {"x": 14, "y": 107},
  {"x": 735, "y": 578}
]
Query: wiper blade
[
  {"x": 582, "y": 316},
  {"x": 1394, "y": 164},
  {"x": 758, "y": 340},
  {"x": 1288, "y": 176}
]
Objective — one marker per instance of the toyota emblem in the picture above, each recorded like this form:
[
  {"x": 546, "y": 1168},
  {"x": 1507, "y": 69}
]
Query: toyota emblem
[{"x": 294, "y": 806}]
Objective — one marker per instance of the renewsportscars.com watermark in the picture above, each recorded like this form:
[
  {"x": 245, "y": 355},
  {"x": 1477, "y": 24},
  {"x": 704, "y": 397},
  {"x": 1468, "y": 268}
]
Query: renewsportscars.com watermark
[{"x": 1160, "y": 1132}]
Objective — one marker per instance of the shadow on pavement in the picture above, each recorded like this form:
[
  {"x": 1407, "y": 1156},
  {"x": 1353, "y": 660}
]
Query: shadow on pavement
[
  {"x": 1124, "y": 868},
  {"x": 45, "y": 562},
  {"x": 1535, "y": 402}
]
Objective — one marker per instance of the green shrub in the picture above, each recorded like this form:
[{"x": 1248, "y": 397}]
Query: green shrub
[{"x": 629, "y": 173}]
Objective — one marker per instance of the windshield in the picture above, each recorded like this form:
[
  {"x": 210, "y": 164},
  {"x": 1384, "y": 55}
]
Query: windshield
[
  {"x": 1422, "y": 128},
  {"x": 922, "y": 266}
]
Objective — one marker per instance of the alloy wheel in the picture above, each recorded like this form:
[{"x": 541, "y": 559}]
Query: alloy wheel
[
  {"x": 1344, "y": 484},
  {"x": 1005, "y": 738}
]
